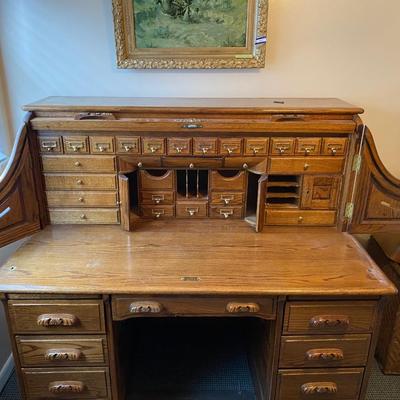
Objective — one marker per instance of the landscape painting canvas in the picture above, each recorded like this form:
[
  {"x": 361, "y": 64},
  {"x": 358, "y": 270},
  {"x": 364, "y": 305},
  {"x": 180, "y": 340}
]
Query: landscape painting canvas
[{"x": 190, "y": 33}]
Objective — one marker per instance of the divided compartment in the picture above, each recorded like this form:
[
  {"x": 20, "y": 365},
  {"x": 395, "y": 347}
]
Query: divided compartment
[
  {"x": 156, "y": 179},
  {"x": 283, "y": 191},
  {"x": 228, "y": 180},
  {"x": 192, "y": 184}
]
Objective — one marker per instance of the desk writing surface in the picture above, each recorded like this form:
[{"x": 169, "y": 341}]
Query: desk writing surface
[{"x": 227, "y": 257}]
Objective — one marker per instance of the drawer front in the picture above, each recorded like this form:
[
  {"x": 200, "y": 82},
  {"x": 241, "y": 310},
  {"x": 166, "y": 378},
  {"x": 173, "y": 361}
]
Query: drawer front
[
  {"x": 307, "y": 146},
  {"x": 179, "y": 146},
  {"x": 76, "y": 144},
  {"x": 154, "y": 146},
  {"x": 186, "y": 209},
  {"x": 45, "y": 351},
  {"x": 330, "y": 317},
  {"x": 150, "y": 182},
  {"x": 129, "y": 163},
  {"x": 66, "y": 383},
  {"x": 230, "y": 146},
  {"x": 102, "y": 144},
  {"x": 72, "y": 198},
  {"x": 157, "y": 197},
  {"x": 227, "y": 198},
  {"x": 78, "y": 164},
  {"x": 128, "y": 145},
  {"x": 334, "y": 146},
  {"x": 80, "y": 182},
  {"x": 306, "y": 165},
  {"x": 158, "y": 212},
  {"x": 124, "y": 307},
  {"x": 256, "y": 146},
  {"x": 341, "y": 384},
  {"x": 220, "y": 182},
  {"x": 258, "y": 164},
  {"x": 192, "y": 162},
  {"x": 101, "y": 216},
  {"x": 226, "y": 212},
  {"x": 323, "y": 351},
  {"x": 205, "y": 146},
  {"x": 299, "y": 217},
  {"x": 50, "y": 144},
  {"x": 282, "y": 146},
  {"x": 56, "y": 317}
]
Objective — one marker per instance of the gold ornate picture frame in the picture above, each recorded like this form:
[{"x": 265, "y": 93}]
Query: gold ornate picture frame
[{"x": 177, "y": 34}]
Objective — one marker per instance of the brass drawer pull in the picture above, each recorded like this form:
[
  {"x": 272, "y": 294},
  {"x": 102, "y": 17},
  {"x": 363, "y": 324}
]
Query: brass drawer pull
[
  {"x": 66, "y": 387},
  {"x": 205, "y": 148},
  {"x": 330, "y": 321},
  {"x": 325, "y": 355},
  {"x": 76, "y": 146},
  {"x": 154, "y": 148},
  {"x": 157, "y": 198},
  {"x": 128, "y": 146},
  {"x": 230, "y": 149},
  {"x": 62, "y": 355},
  {"x": 306, "y": 166},
  {"x": 157, "y": 213},
  {"x": 77, "y": 164},
  {"x": 79, "y": 182},
  {"x": 192, "y": 211},
  {"x": 102, "y": 147},
  {"x": 242, "y": 308},
  {"x": 308, "y": 150},
  {"x": 282, "y": 149},
  {"x": 256, "y": 149},
  {"x": 192, "y": 126},
  {"x": 145, "y": 307},
  {"x": 49, "y": 146},
  {"x": 227, "y": 198},
  {"x": 312, "y": 388},
  {"x": 333, "y": 150},
  {"x": 94, "y": 115},
  {"x": 179, "y": 149},
  {"x": 226, "y": 213},
  {"x": 57, "y": 320}
]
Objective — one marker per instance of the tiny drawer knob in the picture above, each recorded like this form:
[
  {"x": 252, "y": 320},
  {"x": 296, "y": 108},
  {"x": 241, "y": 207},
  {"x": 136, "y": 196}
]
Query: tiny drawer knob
[
  {"x": 145, "y": 307},
  {"x": 140, "y": 164},
  {"x": 66, "y": 387},
  {"x": 333, "y": 151},
  {"x": 79, "y": 182},
  {"x": 47, "y": 320},
  {"x": 81, "y": 199},
  {"x": 83, "y": 216},
  {"x": 245, "y": 166},
  {"x": 306, "y": 166},
  {"x": 300, "y": 219},
  {"x": 191, "y": 165},
  {"x": 62, "y": 355},
  {"x": 77, "y": 164},
  {"x": 317, "y": 388},
  {"x": 242, "y": 308}
]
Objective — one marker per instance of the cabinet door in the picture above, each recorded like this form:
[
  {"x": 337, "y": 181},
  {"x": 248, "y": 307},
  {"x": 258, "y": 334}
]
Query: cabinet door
[
  {"x": 375, "y": 203},
  {"x": 320, "y": 192},
  {"x": 20, "y": 187}
]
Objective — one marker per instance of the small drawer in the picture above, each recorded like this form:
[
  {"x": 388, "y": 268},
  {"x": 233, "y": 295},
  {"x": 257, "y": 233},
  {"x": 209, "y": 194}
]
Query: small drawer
[
  {"x": 97, "y": 216},
  {"x": 124, "y": 307},
  {"x": 80, "y": 182},
  {"x": 334, "y": 146},
  {"x": 102, "y": 144},
  {"x": 340, "y": 384},
  {"x": 50, "y": 144},
  {"x": 324, "y": 351},
  {"x": 76, "y": 144},
  {"x": 129, "y": 163},
  {"x": 308, "y": 146},
  {"x": 56, "y": 316},
  {"x": 228, "y": 180},
  {"x": 195, "y": 209},
  {"x": 78, "y": 164},
  {"x": 299, "y": 217},
  {"x": 205, "y": 146},
  {"x": 154, "y": 146},
  {"x": 226, "y": 212},
  {"x": 258, "y": 164},
  {"x": 227, "y": 198},
  {"x": 256, "y": 146},
  {"x": 156, "y": 197},
  {"x": 55, "y": 351},
  {"x": 192, "y": 162},
  {"x": 66, "y": 383},
  {"x": 156, "y": 179},
  {"x": 128, "y": 145},
  {"x": 179, "y": 146},
  {"x": 306, "y": 165},
  {"x": 158, "y": 212},
  {"x": 230, "y": 146},
  {"x": 282, "y": 146},
  {"x": 72, "y": 198},
  {"x": 330, "y": 317}
]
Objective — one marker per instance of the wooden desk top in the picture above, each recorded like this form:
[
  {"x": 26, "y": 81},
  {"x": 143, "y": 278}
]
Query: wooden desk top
[{"x": 226, "y": 256}]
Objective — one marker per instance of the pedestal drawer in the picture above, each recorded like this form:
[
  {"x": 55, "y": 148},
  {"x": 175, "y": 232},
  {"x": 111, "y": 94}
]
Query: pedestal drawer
[
  {"x": 78, "y": 164},
  {"x": 105, "y": 216},
  {"x": 73, "y": 198},
  {"x": 323, "y": 351},
  {"x": 67, "y": 383},
  {"x": 338, "y": 384},
  {"x": 80, "y": 182},
  {"x": 71, "y": 351}
]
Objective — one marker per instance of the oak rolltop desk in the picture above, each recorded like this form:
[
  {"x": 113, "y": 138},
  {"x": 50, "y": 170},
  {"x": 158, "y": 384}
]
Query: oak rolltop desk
[{"x": 234, "y": 215}]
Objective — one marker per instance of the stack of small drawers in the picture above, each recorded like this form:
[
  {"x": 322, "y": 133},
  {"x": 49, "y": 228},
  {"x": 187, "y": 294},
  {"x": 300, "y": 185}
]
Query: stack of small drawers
[{"x": 62, "y": 348}]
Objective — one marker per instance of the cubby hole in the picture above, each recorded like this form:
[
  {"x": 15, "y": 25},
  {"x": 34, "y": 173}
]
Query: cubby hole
[
  {"x": 283, "y": 191},
  {"x": 252, "y": 197},
  {"x": 157, "y": 172},
  {"x": 192, "y": 184},
  {"x": 194, "y": 358}
]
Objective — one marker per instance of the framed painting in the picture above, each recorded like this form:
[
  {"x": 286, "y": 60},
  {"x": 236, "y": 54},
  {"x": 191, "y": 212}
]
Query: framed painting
[{"x": 190, "y": 33}]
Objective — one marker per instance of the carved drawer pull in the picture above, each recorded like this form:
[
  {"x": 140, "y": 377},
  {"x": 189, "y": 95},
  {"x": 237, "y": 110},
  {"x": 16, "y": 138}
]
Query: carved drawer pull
[
  {"x": 5, "y": 212},
  {"x": 325, "y": 355},
  {"x": 242, "y": 308},
  {"x": 66, "y": 387},
  {"x": 330, "y": 321},
  {"x": 192, "y": 211},
  {"x": 157, "y": 198},
  {"x": 57, "y": 320},
  {"x": 226, "y": 213},
  {"x": 62, "y": 355},
  {"x": 94, "y": 115},
  {"x": 319, "y": 388},
  {"x": 49, "y": 146},
  {"x": 145, "y": 307}
]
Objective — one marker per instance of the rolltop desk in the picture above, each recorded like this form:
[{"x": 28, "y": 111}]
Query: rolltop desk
[{"x": 235, "y": 215}]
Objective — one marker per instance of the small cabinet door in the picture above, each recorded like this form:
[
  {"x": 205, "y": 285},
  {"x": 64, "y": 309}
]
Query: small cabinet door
[
  {"x": 19, "y": 190},
  {"x": 320, "y": 192}
]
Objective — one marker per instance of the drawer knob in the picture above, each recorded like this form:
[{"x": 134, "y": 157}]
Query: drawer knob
[
  {"x": 205, "y": 149},
  {"x": 192, "y": 211},
  {"x": 333, "y": 151},
  {"x": 191, "y": 165},
  {"x": 66, "y": 387},
  {"x": 226, "y": 213},
  {"x": 145, "y": 307},
  {"x": 307, "y": 151},
  {"x": 245, "y": 166},
  {"x": 236, "y": 308},
  {"x": 83, "y": 216},
  {"x": 230, "y": 149},
  {"x": 157, "y": 213},
  {"x": 154, "y": 149},
  {"x": 102, "y": 147},
  {"x": 77, "y": 164},
  {"x": 79, "y": 182},
  {"x": 330, "y": 321},
  {"x": 47, "y": 320},
  {"x": 300, "y": 219},
  {"x": 81, "y": 199},
  {"x": 325, "y": 355},
  {"x": 306, "y": 166},
  {"x": 140, "y": 164},
  {"x": 62, "y": 355},
  {"x": 312, "y": 388}
]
